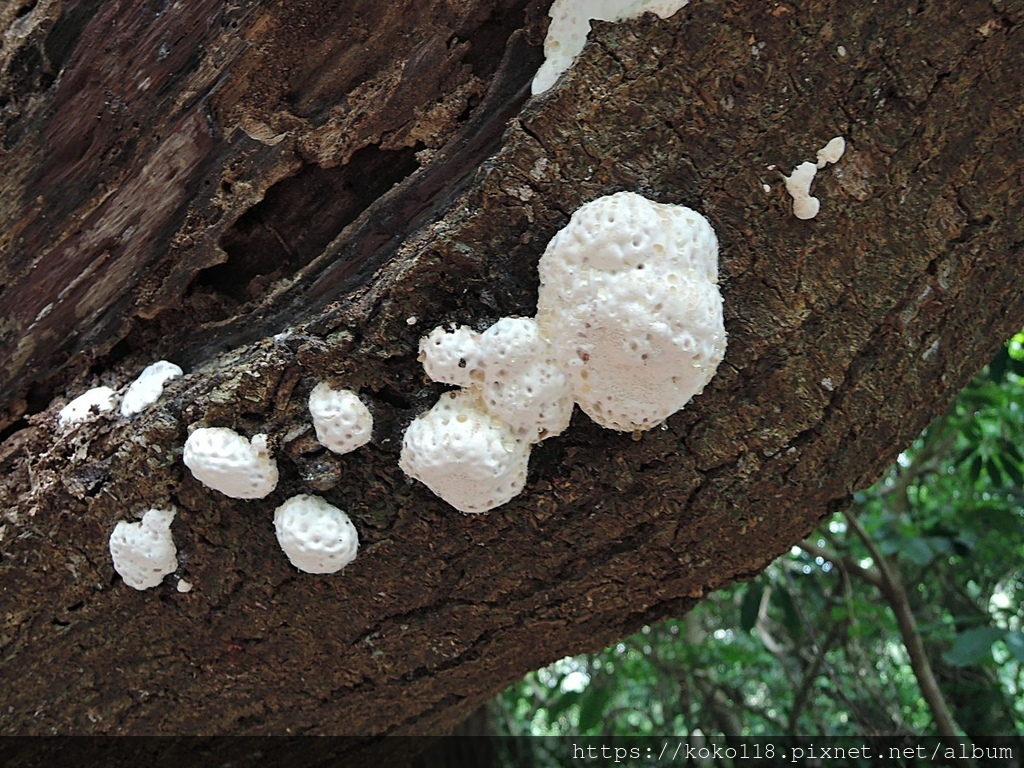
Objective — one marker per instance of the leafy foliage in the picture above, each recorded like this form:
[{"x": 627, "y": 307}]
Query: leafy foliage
[{"x": 814, "y": 644}]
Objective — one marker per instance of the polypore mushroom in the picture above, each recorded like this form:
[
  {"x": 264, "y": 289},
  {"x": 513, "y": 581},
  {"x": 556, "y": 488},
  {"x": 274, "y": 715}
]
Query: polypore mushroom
[
  {"x": 316, "y": 536},
  {"x": 342, "y": 422},
  {"x": 570, "y": 25},
  {"x": 467, "y": 456},
  {"x": 86, "y": 406},
  {"x": 144, "y": 552},
  {"x": 523, "y": 379},
  {"x": 225, "y": 461},
  {"x": 452, "y": 356},
  {"x": 148, "y": 387},
  {"x": 629, "y": 296},
  {"x": 799, "y": 187}
]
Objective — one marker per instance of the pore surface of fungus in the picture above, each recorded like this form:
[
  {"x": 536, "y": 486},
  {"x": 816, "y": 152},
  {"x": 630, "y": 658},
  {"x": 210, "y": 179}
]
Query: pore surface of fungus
[
  {"x": 86, "y": 406},
  {"x": 342, "y": 422},
  {"x": 316, "y": 536},
  {"x": 223, "y": 460},
  {"x": 148, "y": 387},
  {"x": 144, "y": 552},
  {"x": 467, "y": 456},
  {"x": 629, "y": 296}
]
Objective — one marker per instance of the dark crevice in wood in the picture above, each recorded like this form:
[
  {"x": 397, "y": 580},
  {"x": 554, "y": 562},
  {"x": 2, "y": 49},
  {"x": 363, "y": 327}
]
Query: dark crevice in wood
[{"x": 298, "y": 217}]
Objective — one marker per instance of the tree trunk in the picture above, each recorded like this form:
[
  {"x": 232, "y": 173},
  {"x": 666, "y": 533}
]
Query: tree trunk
[{"x": 276, "y": 194}]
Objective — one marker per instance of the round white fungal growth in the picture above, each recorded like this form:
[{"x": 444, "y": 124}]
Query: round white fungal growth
[
  {"x": 570, "y": 25},
  {"x": 144, "y": 552},
  {"x": 831, "y": 152},
  {"x": 225, "y": 461},
  {"x": 343, "y": 423},
  {"x": 451, "y": 356},
  {"x": 523, "y": 380},
  {"x": 316, "y": 536},
  {"x": 470, "y": 458},
  {"x": 629, "y": 295},
  {"x": 799, "y": 187},
  {"x": 86, "y": 406},
  {"x": 148, "y": 387}
]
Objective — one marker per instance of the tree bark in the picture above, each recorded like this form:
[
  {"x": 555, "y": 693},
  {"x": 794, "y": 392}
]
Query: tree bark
[{"x": 273, "y": 195}]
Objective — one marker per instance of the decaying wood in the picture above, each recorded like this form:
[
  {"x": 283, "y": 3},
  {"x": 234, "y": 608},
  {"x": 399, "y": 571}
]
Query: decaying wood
[{"x": 244, "y": 199}]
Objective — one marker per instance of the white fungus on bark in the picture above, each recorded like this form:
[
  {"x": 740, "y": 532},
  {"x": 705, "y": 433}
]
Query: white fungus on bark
[
  {"x": 799, "y": 187},
  {"x": 148, "y": 387},
  {"x": 316, "y": 536},
  {"x": 467, "y": 456},
  {"x": 342, "y": 421},
  {"x": 570, "y": 25},
  {"x": 629, "y": 325},
  {"x": 629, "y": 296},
  {"x": 86, "y": 406},
  {"x": 225, "y": 461},
  {"x": 144, "y": 552}
]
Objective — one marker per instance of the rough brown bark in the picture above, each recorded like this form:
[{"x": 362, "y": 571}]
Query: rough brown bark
[{"x": 249, "y": 183}]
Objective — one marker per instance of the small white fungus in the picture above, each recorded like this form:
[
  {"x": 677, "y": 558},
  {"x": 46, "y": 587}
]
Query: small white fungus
[
  {"x": 343, "y": 423},
  {"x": 86, "y": 406},
  {"x": 467, "y": 456},
  {"x": 799, "y": 187},
  {"x": 831, "y": 152},
  {"x": 144, "y": 552},
  {"x": 452, "y": 356},
  {"x": 629, "y": 297},
  {"x": 316, "y": 536},
  {"x": 148, "y": 387},
  {"x": 225, "y": 461},
  {"x": 570, "y": 25}
]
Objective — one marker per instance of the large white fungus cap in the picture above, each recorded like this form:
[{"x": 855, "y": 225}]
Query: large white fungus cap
[
  {"x": 317, "y": 536},
  {"x": 452, "y": 356},
  {"x": 342, "y": 422},
  {"x": 144, "y": 552},
  {"x": 222, "y": 459},
  {"x": 523, "y": 379},
  {"x": 148, "y": 387},
  {"x": 629, "y": 294},
  {"x": 81, "y": 409},
  {"x": 570, "y": 25},
  {"x": 467, "y": 456}
]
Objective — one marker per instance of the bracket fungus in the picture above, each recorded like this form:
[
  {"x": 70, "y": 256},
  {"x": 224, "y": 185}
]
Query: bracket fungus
[
  {"x": 148, "y": 387},
  {"x": 144, "y": 552},
  {"x": 629, "y": 325},
  {"x": 316, "y": 536},
  {"x": 342, "y": 421},
  {"x": 223, "y": 460},
  {"x": 629, "y": 295},
  {"x": 87, "y": 405}
]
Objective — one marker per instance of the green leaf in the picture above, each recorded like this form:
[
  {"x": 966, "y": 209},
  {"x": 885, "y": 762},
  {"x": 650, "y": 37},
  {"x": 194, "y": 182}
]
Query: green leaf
[
  {"x": 790, "y": 618},
  {"x": 1015, "y": 644},
  {"x": 751, "y": 605},
  {"x": 592, "y": 706},
  {"x": 917, "y": 550},
  {"x": 973, "y": 646}
]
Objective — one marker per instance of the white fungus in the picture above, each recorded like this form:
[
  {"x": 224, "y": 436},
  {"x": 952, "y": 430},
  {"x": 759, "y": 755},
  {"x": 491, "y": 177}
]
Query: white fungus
[
  {"x": 524, "y": 383},
  {"x": 144, "y": 552},
  {"x": 225, "y": 461},
  {"x": 629, "y": 296},
  {"x": 799, "y": 187},
  {"x": 342, "y": 422},
  {"x": 316, "y": 536},
  {"x": 148, "y": 387},
  {"x": 451, "y": 356},
  {"x": 570, "y": 25},
  {"x": 467, "y": 456},
  {"x": 831, "y": 152},
  {"x": 86, "y": 406}
]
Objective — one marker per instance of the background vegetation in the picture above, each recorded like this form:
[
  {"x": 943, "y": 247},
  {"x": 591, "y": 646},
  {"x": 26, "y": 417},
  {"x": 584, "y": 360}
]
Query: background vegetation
[{"x": 901, "y": 616}]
